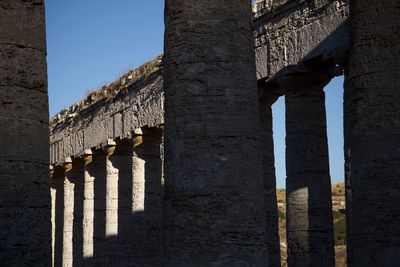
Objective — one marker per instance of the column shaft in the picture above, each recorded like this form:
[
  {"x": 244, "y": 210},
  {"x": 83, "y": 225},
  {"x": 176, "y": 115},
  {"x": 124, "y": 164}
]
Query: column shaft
[
  {"x": 119, "y": 206},
  {"x": 347, "y": 166},
  {"x": 97, "y": 169},
  {"x": 374, "y": 125},
  {"x": 58, "y": 185},
  {"x": 147, "y": 196},
  {"x": 308, "y": 189},
  {"x": 25, "y": 204},
  {"x": 67, "y": 257},
  {"x": 88, "y": 209},
  {"x": 270, "y": 198},
  {"x": 214, "y": 212},
  {"x": 111, "y": 196}
]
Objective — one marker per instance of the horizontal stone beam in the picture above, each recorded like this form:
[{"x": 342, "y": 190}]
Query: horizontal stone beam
[
  {"x": 292, "y": 32},
  {"x": 287, "y": 33},
  {"x": 93, "y": 127}
]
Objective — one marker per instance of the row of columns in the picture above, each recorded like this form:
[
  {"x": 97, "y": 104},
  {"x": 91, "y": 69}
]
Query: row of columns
[{"x": 107, "y": 205}]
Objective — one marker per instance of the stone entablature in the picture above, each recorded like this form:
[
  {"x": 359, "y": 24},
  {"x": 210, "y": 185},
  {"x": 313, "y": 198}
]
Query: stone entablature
[
  {"x": 286, "y": 33},
  {"x": 140, "y": 105},
  {"x": 292, "y": 32}
]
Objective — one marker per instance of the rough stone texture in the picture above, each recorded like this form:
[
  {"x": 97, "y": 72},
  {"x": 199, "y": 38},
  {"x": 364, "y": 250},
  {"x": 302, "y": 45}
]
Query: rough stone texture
[
  {"x": 67, "y": 246},
  {"x": 119, "y": 173},
  {"x": 289, "y": 32},
  {"x": 347, "y": 164},
  {"x": 268, "y": 96},
  {"x": 25, "y": 215},
  {"x": 213, "y": 203},
  {"x": 374, "y": 99},
  {"x": 88, "y": 208},
  {"x": 147, "y": 195},
  {"x": 309, "y": 222},
  {"x": 57, "y": 179},
  {"x": 140, "y": 106},
  {"x": 97, "y": 169},
  {"x": 286, "y": 33}
]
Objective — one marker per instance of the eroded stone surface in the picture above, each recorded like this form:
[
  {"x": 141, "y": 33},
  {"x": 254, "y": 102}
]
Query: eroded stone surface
[
  {"x": 286, "y": 33},
  {"x": 309, "y": 222},
  {"x": 373, "y": 120},
  {"x": 25, "y": 220}
]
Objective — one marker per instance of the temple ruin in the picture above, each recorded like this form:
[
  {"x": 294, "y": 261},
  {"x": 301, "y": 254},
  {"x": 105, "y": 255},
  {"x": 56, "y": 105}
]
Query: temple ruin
[{"x": 172, "y": 164}]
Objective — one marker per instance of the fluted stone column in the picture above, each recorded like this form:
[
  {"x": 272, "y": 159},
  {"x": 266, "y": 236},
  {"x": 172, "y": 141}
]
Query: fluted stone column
[
  {"x": 214, "y": 212},
  {"x": 309, "y": 222},
  {"x": 267, "y": 96},
  {"x": 147, "y": 197},
  {"x": 373, "y": 79},
  {"x": 25, "y": 204}
]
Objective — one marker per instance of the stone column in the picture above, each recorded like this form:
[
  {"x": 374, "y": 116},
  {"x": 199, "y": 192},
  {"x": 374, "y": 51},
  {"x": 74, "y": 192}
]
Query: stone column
[
  {"x": 373, "y": 80},
  {"x": 214, "y": 212},
  {"x": 347, "y": 165},
  {"x": 57, "y": 184},
  {"x": 73, "y": 213},
  {"x": 97, "y": 169},
  {"x": 25, "y": 204},
  {"x": 88, "y": 206},
  {"x": 119, "y": 205},
  {"x": 309, "y": 222},
  {"x": 147, "y": 197},
  {"x": 111, "y": 194},
  {"x": 267, "y": 96},
  {"x": 67, "y": 247}
]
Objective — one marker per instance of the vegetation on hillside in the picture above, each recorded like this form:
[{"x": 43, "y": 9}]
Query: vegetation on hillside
[{"x": 339, "y": 220}]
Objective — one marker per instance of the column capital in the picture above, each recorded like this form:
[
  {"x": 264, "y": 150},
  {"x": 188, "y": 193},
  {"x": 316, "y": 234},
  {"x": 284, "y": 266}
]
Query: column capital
[
  {"x": 269, "y": 92},
  {"x": 304, "y": 77}
]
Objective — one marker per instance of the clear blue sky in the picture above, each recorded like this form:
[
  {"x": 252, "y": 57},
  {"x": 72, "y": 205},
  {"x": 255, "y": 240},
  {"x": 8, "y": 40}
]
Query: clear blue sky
[{"x": 92, "y": 42}]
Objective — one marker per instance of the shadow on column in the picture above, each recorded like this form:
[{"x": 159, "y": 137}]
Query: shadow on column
[
  {"x": 76, "y": 176},
  {"x": 138, "y": 242},
  {"x": 58, "y": 185},
  {"x": 147, "y": 224},
  {"x": 97, "y": 169}
]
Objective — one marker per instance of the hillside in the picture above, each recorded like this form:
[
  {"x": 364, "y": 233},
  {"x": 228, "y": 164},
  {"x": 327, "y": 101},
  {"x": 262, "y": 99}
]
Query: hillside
[{"x": 338, "y": 206}]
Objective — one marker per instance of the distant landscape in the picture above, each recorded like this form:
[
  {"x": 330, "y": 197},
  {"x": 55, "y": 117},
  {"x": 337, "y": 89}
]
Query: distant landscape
[{"x": 339, "y": 207}]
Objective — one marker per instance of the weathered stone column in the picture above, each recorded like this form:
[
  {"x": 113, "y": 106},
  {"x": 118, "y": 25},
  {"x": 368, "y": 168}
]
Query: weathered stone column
[
  {"x": 111, "y": 195},
  {"x": 57, "y": 184},
  {"x": 309, "y": 222},
  {"x": 67, "y": 247},
  {"x": 97, "y": 169},
  {"x": 214, "y": 212},
  {"x": 73, "y": 213},
  {"x": 25, "y": 205},
  {"x": 347, "y": 165},
  {"x": 119, "y": 205},
  {"x": 374, "y": 78},
  {"x": 147, "y": 197},
  {"x": 88, "y": 206},
  {"x": 268, "y": 94}
]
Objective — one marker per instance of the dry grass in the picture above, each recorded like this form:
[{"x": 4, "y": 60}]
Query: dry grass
[
  {"x": 109, "y": 91},
  {"x": 338, "y": 191}
]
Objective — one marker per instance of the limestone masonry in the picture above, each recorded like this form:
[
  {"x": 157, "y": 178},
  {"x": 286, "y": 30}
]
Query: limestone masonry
[
  {"x": 286, "y": 33},
  {"x": 172, "y": 164}
]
